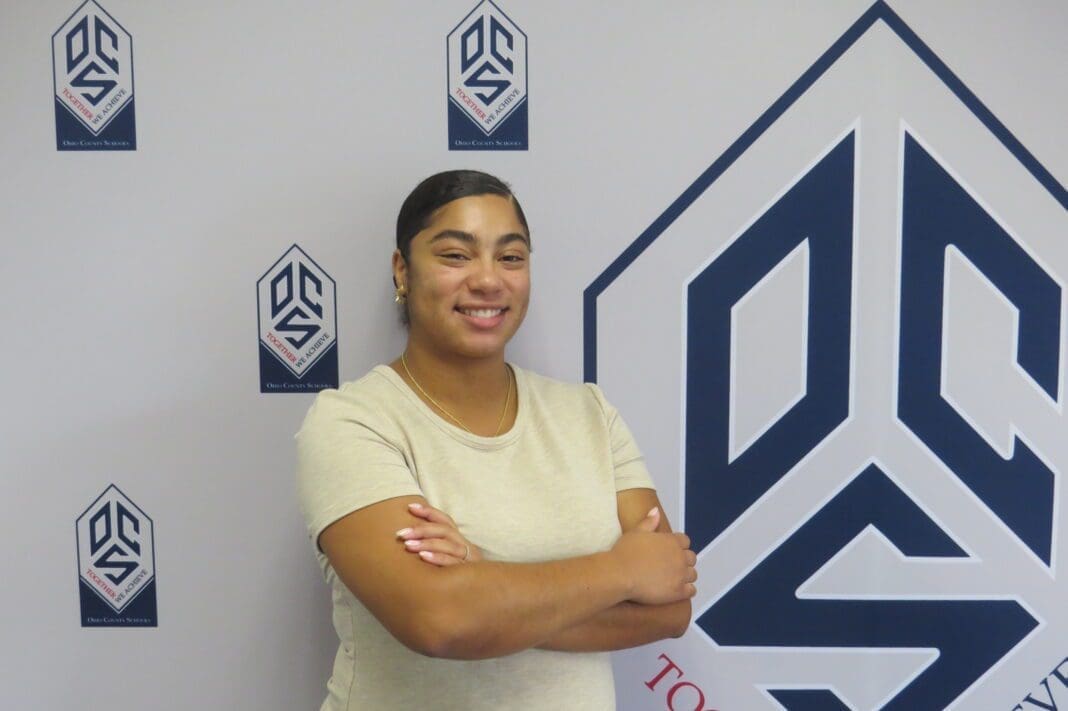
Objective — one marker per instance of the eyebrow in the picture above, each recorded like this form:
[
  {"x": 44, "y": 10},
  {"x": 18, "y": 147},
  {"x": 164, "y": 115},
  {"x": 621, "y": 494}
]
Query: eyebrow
[{"x": 469, "y": 238}]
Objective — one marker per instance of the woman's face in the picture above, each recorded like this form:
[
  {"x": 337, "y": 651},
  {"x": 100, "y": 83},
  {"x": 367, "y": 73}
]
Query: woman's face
[{"x": 467, "y": 277}]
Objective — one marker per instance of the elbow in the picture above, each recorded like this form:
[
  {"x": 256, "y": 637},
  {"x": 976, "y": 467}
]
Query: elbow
[
  {"x": 429, "y": 633},
  {"x": 443, "y": 633},
  {"x": 447, "y": 621},
  {"x": 437, "y": 641}
]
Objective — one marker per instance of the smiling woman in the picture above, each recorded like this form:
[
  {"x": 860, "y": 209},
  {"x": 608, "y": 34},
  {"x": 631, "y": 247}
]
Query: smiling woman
[{"x": 464, "y": 508}]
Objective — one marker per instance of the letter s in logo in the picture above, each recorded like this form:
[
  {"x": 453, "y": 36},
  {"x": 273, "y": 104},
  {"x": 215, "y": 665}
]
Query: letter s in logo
[{"x": 91, "y": 75}]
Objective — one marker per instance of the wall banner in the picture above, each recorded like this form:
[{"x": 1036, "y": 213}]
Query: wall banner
[
  {"x": 93, "y": 82},
  {"x": 487, "y": 68},
  {"x": 297, "y": 317},
  {"x": 116, "y": 563},
  {"x": 869, "y": 370}
]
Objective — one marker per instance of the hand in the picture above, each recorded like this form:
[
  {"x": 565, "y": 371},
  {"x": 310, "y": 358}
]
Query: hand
[
  {"x": 661, "y": 564},
  {"x": 438, "y": 541}
]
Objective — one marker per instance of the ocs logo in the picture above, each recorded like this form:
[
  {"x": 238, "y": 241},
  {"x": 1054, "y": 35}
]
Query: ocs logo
[
  {"x": 93, "y": 67},
  {"x": 116, "y": 562},
  {"x": 487, "y": 69},
  {"x": 297, "y": 322},
  {"x": 867, "y": 374}
]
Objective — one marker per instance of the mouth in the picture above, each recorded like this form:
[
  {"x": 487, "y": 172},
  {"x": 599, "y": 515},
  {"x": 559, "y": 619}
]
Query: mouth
[
  {"x": 483, "y": 317},
  {"x": 481, "y": 313}
]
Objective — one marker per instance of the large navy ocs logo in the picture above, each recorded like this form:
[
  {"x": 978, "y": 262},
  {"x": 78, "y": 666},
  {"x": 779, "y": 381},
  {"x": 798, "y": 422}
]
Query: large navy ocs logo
[
  {"x": 116, "y": 563},
  {"x": 93, "y": 82},
  {"x": 487, "y": 60},
  {"x": 867, "y": 376},
  {"x": 297, "y": 326}
]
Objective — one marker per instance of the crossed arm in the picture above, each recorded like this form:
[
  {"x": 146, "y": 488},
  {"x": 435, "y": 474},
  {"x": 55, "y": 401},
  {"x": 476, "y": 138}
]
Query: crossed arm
[
  {"x": 633, "y": 594},
  {"x": 627, "y": 624}
]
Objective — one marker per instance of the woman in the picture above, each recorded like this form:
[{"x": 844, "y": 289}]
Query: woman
[{"x": 489, "y": 534}]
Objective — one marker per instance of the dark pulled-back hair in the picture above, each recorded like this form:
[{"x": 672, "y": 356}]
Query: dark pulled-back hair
[{"x": 440, "y": 189}]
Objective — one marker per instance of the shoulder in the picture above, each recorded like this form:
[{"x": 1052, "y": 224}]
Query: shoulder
[
  {"x": 371, "y": 400},
  {"x": 559, "y": 395}
]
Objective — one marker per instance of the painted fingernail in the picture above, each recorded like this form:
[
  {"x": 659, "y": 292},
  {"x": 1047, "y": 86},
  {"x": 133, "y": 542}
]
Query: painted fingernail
[
  {"x": 426, "y": 555},
  {"x": 412, "y": 544},
  {"x": 415, "y": 506},
  {"x": 652, "y": 511},
  {"x": 403, "y": 532}
]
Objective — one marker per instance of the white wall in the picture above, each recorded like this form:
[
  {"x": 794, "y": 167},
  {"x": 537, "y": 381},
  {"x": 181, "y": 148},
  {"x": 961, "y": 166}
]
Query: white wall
[{"x": 128, "y": 281}]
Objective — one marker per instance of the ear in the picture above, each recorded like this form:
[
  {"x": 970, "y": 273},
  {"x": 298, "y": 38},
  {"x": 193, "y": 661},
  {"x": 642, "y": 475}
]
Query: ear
[{"x": 400, "y": 269}]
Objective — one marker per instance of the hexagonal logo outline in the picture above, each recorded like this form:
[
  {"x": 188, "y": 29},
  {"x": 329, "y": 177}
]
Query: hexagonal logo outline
[
  {"x": 876, "y": 480},
  {"x": 296, "y": 305},
  {"x": 487, "y": 81},
  {"x": 115, "y": 541},
  {"x": 93, "y": 80}
]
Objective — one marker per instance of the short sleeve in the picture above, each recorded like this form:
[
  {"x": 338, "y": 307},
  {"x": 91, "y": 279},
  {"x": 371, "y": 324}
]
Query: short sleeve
[
  {"x": 627, "y": 460},
  {"x": 345, "y": 464}
]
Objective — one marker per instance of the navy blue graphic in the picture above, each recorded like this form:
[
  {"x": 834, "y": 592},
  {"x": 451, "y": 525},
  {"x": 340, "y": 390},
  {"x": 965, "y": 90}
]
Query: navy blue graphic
[
  {"x": 487, "y": 52},
  {"x": 878, "y": 12},
  {"x": 116, "y": 563},
  {"x": 494, "y": 68},
  {"x": 465, "y": 135},
  {"x": 94, "y": 110},
  {"x": 101, "y": 535},
  {"x": 276, "y": 378},
  {"x": 937, "y": 212},
  {"x": 282, "y": 295},
  {"x": 92, "y": 75},
  {"x": 818, "y": 207},
  {"x": 297, "y": 316},
  {"x": 808, "y": 700},
  {"x": 763, "y": 609},
  {"x": 141, "y": 612}
]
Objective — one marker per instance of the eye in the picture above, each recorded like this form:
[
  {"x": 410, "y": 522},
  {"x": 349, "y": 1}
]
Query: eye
[
  {"x": 514, "y": 258},
  {"x": 456, "y": 256}
]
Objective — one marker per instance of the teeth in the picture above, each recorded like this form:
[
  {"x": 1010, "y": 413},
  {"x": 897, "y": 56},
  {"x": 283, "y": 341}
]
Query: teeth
[{"x": 481, "y": 313}]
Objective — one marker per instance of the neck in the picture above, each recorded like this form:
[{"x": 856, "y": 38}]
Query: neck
[{"x": 474, "y": 386}]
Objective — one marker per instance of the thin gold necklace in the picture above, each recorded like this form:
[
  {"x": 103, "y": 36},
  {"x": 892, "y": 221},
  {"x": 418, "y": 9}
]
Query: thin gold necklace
[{"x": 454, "y": 418}]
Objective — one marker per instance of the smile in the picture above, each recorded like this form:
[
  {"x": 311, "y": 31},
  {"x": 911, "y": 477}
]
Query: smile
[{"x": 481, "y": 313}]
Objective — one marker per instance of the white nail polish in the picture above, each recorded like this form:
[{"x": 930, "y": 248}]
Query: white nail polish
[
  {"x": 426, "y": 555},
  {"x": 412, "y": 544},
  {"x": 403, "y": 532}
]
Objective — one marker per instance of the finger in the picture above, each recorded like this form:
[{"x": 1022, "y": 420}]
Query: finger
[
  {"x": 431, "y": 514},
  {"x": 651, "y": 520},
  {"x": 691, "y": 558},
  {"x": 437, "y": 545},
  {"x": 691, "y": 590},
  {"x": 441, "y": 560},
  {"x": 683, "y": 539},
  {"x": 429, "y": 530}
]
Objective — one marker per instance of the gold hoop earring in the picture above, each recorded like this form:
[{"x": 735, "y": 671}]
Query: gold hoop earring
[{"x": 401, "y": 295}]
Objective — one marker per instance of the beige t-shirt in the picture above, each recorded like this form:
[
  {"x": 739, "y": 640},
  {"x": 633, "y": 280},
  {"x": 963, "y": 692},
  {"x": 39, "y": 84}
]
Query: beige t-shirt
[{"x": 544, "y": 490}]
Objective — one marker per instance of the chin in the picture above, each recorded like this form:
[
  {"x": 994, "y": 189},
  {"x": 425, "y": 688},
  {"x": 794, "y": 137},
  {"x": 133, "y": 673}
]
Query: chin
[{"x": 481, "y": 350}]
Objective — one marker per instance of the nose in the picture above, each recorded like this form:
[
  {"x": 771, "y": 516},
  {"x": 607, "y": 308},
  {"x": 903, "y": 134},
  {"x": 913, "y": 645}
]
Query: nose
[{"x": 485, "y": 276}]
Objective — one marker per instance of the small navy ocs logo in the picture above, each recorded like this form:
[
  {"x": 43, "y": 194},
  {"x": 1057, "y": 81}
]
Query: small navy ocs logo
[
  {"x": 116, "y": 563},
  {"x": 297, "y": 326},
  {"x": 93, "y": 82},
  {"x": 487, "y": 58}
]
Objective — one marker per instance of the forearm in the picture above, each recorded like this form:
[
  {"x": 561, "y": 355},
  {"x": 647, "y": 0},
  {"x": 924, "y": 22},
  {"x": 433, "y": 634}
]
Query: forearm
[
  {"x": 490, "y": 609},
  {"x": 622, "y": 626}
]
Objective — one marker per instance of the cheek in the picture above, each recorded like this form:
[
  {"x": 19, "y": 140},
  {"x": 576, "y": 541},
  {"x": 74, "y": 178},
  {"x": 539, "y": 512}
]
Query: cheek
[
  {"x": 436, "y": 295},
  {"x": 520, "y": 286},
  {"x": 436, "y": 285}
]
